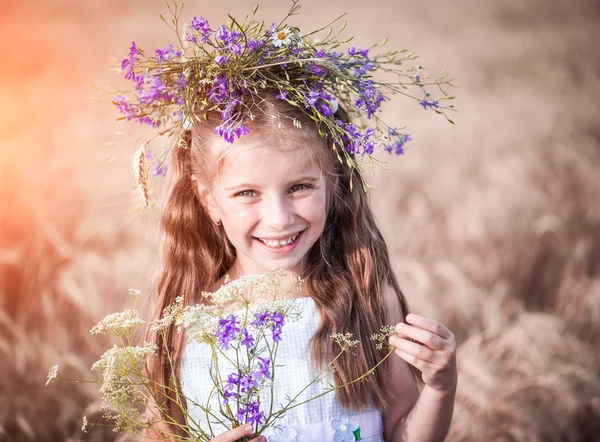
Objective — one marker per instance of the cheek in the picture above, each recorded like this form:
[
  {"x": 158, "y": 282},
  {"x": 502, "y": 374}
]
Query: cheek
[
  {"x": 239, "y": 215},
  {"x": 314, "y": 209}
]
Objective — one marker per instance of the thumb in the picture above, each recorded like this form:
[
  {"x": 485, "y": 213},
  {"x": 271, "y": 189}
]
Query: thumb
[{"x": 234, "y": 434}]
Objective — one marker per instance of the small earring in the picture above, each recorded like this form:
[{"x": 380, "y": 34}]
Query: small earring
[{"x": 218, "y": 222}]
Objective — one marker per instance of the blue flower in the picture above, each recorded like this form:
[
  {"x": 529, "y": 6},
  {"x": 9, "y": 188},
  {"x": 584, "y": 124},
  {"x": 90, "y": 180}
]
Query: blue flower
[
  {"x": 284, "y": 434},
  {"x": 344, "y": 428}
]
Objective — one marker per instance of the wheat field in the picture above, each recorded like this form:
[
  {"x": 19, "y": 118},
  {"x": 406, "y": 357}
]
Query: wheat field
[{"x": 493, "y": 223}]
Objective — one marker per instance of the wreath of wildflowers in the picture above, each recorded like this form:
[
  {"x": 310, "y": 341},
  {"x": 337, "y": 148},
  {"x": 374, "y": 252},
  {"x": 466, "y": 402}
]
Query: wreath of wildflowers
[{"x": 224, "y": 70}]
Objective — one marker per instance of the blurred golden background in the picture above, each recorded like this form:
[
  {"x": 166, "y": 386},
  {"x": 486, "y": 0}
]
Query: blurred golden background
[{"x": 494, "y": 224}]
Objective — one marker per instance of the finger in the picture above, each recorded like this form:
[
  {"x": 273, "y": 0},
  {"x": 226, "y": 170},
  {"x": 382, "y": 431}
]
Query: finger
[
  {"x": 412, "y": 348},
  {"x": 429, "y": 324},
  {"x": 413, "y": 360},
  {"x": 259, "y": 439},
  {"x": 420, "y": 335},
  {"x": 234, "y": 434}
]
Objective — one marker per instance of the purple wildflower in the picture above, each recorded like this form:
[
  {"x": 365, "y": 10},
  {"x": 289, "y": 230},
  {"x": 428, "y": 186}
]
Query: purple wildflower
[
  {"x": 227, "y": 331},
  {"x": 226, "y": 36},
  {"x": 278, "y": 319},
  {"x": 220, "y": 60},
  {"x": 201, "y": 25},
  {"x": 248, "y": 383},
  {"x": 397, "y": 146},
  {"x": 228, "y": 132},
  {"x": 370, "y": 98},
  {"x": 248, "y": 340},
  {"x": 356, "y": 142},
  {"x": 260, "y": 318},
  {"x": 276, "y": 334},
  {"x": 282, "y": 95},
  {"x": 255, "y": 416},
  {"x": 263, "y": 369},
  {"x": 254, "y": 45},
  {"x": 227, "y": 394},
  {"x": 191, "y": 38},
  {"x": 233, "y": 381},
  {"x": 167, "y": 53},
  {"x": 433, "y": 104}
]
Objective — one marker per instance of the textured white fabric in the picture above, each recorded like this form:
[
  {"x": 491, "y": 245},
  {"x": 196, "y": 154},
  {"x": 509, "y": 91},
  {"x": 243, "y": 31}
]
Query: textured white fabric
[{"x": 293, "y": 372}]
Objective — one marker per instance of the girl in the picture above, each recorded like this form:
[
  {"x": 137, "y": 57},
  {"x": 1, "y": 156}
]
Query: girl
[
  {"x": 282, "y": 196},
  {"x": 279, "y": 197}
]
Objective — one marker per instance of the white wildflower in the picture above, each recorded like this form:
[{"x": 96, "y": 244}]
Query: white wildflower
[
  {"x": 137, "y": 294},
  {"x": 170, "y": 315},
  {"x": 382, "y": 337},
  {"x": 201, "y": 322},
  {"x": 282, "y": 38},
  {"x": 85, "y": 426},
  {"x": 118, "y": 324},
  {"x": 52, "y": 375},
  {"x": 344, "y": 340},
  {"x": 121, "y": 368}
]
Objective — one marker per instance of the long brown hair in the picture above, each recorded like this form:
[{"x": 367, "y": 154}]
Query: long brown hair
[{"x": 347, "y": 271}]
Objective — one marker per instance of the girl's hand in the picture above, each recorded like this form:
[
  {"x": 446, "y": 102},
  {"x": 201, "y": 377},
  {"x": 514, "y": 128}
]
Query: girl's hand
[
  {"x": 237, "y": 433},
  {"x": 431, "y": 348}
]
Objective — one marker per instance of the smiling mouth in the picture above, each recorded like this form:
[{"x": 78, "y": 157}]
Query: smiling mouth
[{"x": 277, "y": 243}]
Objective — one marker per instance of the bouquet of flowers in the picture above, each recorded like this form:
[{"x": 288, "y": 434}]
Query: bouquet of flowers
[{"x": 242, "y": 324}]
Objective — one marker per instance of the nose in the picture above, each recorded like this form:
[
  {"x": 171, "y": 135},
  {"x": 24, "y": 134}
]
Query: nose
[{"x": 279, "y": 213}]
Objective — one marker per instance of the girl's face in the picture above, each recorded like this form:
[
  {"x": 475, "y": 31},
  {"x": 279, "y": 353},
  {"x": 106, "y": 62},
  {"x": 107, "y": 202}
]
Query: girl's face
[{"x": 272, "y": 203}]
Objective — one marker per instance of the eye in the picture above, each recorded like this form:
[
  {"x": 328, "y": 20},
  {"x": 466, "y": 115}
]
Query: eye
[
  {"x": 299, "y": 187},
  {"x": 246, "y": 193}
]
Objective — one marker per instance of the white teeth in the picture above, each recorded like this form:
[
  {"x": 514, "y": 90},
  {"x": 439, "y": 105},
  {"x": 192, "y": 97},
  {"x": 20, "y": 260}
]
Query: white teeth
[{"x": 279, "y": 243}]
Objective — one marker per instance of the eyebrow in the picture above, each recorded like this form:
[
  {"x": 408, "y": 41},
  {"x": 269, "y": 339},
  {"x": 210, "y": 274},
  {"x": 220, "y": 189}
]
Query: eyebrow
[{"x": 306, "y": 178}]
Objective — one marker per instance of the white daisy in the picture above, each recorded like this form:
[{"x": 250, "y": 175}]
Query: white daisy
[{"x": 282, "y": 38}]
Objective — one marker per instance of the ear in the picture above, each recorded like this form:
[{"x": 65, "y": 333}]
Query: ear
[{"x": 206, "y": 199}]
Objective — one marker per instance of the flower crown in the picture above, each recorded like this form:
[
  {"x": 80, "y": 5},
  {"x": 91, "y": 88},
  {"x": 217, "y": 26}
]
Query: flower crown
[{"x": 225, "y": 70}]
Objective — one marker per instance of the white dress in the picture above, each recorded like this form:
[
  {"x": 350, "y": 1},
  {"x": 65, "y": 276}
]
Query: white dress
[{"x": 322, "y": 419}]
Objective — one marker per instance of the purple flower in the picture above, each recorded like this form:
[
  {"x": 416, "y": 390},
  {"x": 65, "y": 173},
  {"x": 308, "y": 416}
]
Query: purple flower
[
  {"x": 323, "y": 102},
  {"x": 433, "y": 104},
  {"x": 356, "y": 142},
  {"x": 282, "y": 95},
  {"x": 319, "y": 71},
  {"x": 167, "y": 53},
  {"x": 358, "y": 52},
  {"x": 248, "y": 383},
  {"x": 233, "y": 381},
  {"x": 227, "y": 394},
  {"x": 226, "y": 36},
  {"x": 263, "y": 369},
  {"x": 159, "y": 169},
  {"x": 220, "y": 60},
  {"x": 201, "y": 25},
  {"x": 255, "y": 416},
  {"x": 397, "y": 146},
  {"x": 248, "y": 340},
  {"x": 228, "y": 132},
  {"x": 278, "y": 319},
  {"x": 255, "y": 45},
  {"x": 370, "y": 98},
  {"x": 276, "y": 334},
  {"x": 191, "y": 38},
  {"x": 227, "y": 331},
  {"x": 260, "y": 318},
  {"x": 134, "y": 51}
]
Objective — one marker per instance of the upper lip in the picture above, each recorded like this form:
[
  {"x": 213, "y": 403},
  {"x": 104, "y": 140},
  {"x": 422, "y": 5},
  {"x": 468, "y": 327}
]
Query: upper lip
[{"x": 278, "y": 238}]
